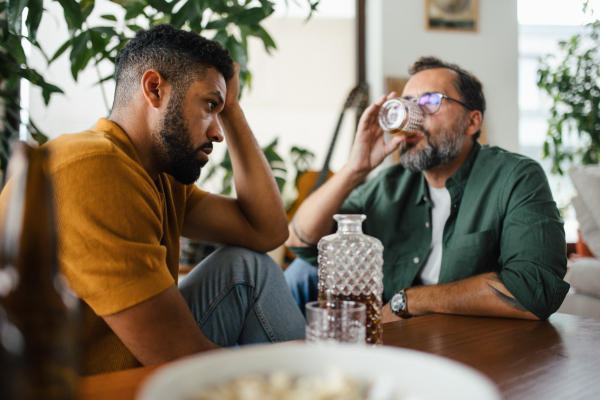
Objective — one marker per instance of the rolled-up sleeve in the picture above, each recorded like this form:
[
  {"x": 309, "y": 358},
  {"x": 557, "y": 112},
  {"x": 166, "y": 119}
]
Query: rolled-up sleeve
[{"x": 532, "y": 245}]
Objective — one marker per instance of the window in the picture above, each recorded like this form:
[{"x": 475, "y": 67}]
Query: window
[{"x": 542, "y": 24}]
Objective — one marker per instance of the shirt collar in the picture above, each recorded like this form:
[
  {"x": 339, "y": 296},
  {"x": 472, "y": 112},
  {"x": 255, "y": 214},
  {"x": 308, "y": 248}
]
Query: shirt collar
[
  {"x": 118, "y": 136},
  {"x": 459, "y": 178}
]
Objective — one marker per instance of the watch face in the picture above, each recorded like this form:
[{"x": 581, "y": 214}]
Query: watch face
[{"x": 397, "y": 302}]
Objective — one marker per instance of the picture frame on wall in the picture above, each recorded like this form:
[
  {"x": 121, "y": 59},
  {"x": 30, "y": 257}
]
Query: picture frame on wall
[{"x": 453, "y": 15}]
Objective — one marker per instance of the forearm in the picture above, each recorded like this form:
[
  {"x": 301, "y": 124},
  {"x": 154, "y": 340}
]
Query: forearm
[
  {"x": 482, "y": 295},
  {"x": 257, "y": 192},
  {"x": 314, "y": 218},
  {"x": 160, "y": 329}
]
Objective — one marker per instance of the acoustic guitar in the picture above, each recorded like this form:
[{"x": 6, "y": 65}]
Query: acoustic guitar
[{"x": 309, "y": 181}]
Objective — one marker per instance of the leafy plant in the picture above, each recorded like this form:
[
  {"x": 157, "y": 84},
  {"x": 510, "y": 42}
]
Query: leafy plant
[
  {"x": 301, "y": 160},
  {"x": 231, "y": 22},
  {"x": 572, "y": 79},
  {"x": 13, "y": 68}
]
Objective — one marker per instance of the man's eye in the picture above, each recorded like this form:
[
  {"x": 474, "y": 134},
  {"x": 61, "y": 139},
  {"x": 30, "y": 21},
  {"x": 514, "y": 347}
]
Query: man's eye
[{"x": 212, "y": 105}]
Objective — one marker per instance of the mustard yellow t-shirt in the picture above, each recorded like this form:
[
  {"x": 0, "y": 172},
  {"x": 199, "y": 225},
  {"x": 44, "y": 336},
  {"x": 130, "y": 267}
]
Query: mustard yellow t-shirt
[{"x": 118, "y": 232}]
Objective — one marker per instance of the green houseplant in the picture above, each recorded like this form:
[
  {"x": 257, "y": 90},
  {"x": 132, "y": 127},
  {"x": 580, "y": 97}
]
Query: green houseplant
[
  {"x": 571, "y": 77},
  {"x": 220, "y": 174},
  {"x": 13, "y": 68},
  {"x": 231, "y": 22}
]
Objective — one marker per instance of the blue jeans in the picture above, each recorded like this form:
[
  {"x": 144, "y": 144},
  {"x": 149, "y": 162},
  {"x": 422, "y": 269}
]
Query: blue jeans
[
  {"x": 302, "y": 279},
  {"x": 238, "y": 296}
]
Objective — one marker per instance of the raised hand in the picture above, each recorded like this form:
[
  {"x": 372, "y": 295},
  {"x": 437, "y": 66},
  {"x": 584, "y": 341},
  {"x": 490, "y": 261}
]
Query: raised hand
[
  {"x": 369, "y": 148},
  {"x": 233, "y": 90}
]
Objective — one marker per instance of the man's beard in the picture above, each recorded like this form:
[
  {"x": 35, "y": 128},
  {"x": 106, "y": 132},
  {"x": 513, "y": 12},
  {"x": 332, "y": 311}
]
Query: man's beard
[
  {"x": 179, "y": 157},
  {"x": 444, "y": 148}
]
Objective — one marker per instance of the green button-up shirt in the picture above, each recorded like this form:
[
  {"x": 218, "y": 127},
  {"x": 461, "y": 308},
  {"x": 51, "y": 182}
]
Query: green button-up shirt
[{"x": 503, "y": 218}]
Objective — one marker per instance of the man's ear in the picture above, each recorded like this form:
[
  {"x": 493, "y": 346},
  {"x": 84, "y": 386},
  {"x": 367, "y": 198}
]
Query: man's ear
[
  {"x": 155, "y": 88},
  {"x": 473, "y": 122}
]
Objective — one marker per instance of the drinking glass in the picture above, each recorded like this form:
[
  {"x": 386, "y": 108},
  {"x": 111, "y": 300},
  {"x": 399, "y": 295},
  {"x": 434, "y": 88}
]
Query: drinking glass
[{"x": 335, "y": 321}]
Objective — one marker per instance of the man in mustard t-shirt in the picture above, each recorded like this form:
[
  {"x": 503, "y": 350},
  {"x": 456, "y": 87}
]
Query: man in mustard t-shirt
[{"x": 125, "y": 194}]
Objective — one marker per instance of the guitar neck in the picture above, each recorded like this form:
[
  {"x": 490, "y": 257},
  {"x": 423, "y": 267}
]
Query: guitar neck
[{"x": 323, "y": 174}]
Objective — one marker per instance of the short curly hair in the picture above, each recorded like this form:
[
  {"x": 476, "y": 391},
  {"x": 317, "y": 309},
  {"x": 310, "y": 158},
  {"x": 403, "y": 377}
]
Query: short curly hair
[
  {"x": 181, "y": 57},
  {"x": 467, "y": 84}
]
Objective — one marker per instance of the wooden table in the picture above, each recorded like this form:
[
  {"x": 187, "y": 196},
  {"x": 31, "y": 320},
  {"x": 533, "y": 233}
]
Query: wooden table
[{"x": 554, "y": 359}]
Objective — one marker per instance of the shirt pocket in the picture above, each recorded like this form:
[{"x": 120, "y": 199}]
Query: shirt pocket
[{"x": 470, "y": 255}]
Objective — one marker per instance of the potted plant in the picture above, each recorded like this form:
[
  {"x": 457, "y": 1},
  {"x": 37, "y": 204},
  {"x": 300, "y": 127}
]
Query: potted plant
[{"x": 571, "y": 77}]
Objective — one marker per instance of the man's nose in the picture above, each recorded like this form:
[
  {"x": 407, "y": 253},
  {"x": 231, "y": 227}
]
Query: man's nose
[{"x": 215, "y": 132}]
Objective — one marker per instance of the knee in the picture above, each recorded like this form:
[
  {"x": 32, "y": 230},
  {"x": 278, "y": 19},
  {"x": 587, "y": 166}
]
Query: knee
[{"x": 249, "y": 262}]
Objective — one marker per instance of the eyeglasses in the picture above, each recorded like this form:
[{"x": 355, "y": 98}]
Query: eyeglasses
[{"x": 431, "y": 102}]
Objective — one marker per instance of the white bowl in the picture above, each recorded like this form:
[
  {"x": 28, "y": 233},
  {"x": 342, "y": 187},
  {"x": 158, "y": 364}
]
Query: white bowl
[{"x": 413, "y": 374}]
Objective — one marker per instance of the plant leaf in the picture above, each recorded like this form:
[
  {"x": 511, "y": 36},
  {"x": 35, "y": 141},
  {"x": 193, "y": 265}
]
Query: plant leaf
[
  {"x": 15, "y": 15},
  {"x": 86, "y": 6},
  {"x": 36, "y": 134},
  {"x": 134, "y": 28},
  {"x": 72, "y": 12},
  {"x": 216, "y": 24},
  {"x": 107, "y": 30},
  {"x": 109, "y": 17},
  {"x": 80, "y": 54},
  {"x": 106, "y": 79},
  {"x": 34, "y": 17},
  {"x": 161, "y": 5},
  {"x": 252, "y": 16},
  {"x": 61, "y": 50}
]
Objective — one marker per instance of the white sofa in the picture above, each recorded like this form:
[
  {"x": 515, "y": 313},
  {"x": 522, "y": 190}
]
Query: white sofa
[
  {"x": 584, "y": 297},
  {"x": 584, "y": 273}
]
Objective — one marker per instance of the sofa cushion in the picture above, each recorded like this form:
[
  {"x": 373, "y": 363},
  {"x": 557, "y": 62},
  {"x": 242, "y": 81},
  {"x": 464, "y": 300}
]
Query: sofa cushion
[
  {"x": 586, "y": 180},
  {"x": 584, "y": 275},
  {"x": 589, "y": 229}
]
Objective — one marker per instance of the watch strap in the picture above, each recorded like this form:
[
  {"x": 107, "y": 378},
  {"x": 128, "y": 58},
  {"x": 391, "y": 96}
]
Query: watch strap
[{"x": 403, "y": 311}]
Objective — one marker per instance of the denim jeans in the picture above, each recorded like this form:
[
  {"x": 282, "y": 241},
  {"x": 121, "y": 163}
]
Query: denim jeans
[
  {"x": 302, "y": 279},
  {"x": 238, "y": 296}
]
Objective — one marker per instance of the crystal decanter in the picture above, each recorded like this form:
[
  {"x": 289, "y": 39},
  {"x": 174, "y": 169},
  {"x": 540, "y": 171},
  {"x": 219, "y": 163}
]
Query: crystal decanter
[{"x": 350, "y": 268}]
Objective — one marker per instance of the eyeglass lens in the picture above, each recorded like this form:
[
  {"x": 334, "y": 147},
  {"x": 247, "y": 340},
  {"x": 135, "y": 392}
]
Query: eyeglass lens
[{"x": 430, "y": 102}]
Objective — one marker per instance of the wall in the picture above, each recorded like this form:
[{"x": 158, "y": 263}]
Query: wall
[{"x": 397, "y": 37}]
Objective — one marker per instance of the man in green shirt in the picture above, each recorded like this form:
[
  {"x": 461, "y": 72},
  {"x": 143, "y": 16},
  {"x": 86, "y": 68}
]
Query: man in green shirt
[{"x": 467, "y": 229}]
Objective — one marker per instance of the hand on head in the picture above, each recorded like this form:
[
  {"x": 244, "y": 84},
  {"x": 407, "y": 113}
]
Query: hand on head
[{"x": 233, "y": 89}]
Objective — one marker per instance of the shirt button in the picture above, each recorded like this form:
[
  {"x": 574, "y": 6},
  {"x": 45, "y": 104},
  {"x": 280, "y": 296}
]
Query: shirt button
[
  {"x": 426, "y": 224},
  {"x": 416, "y": 260},
  {"x": 424, "y": 198}
]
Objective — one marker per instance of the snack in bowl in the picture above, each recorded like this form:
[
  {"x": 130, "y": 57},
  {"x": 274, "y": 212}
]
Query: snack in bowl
[
  {"x": 280, "y": 385},
  {"x": 335, "y": 385}
]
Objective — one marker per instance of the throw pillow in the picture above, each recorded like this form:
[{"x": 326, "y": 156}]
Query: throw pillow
[{"x": 586, "y": 180}]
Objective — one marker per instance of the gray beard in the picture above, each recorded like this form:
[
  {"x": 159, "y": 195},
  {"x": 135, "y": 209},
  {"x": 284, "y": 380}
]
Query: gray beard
[{"x": 445, "y": 148}]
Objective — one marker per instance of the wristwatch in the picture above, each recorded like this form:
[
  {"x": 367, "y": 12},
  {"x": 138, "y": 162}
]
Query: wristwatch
[{"x": 399, "y": 305}]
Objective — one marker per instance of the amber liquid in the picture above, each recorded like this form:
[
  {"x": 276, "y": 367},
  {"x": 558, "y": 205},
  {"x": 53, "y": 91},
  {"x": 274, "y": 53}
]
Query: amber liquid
[
  {"x": 399, "y": 131},
  {"x": 373, "y": 323}
]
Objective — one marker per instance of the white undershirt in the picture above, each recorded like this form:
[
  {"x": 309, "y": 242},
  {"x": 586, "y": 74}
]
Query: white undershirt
[{"x": 440, "y": 211}]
